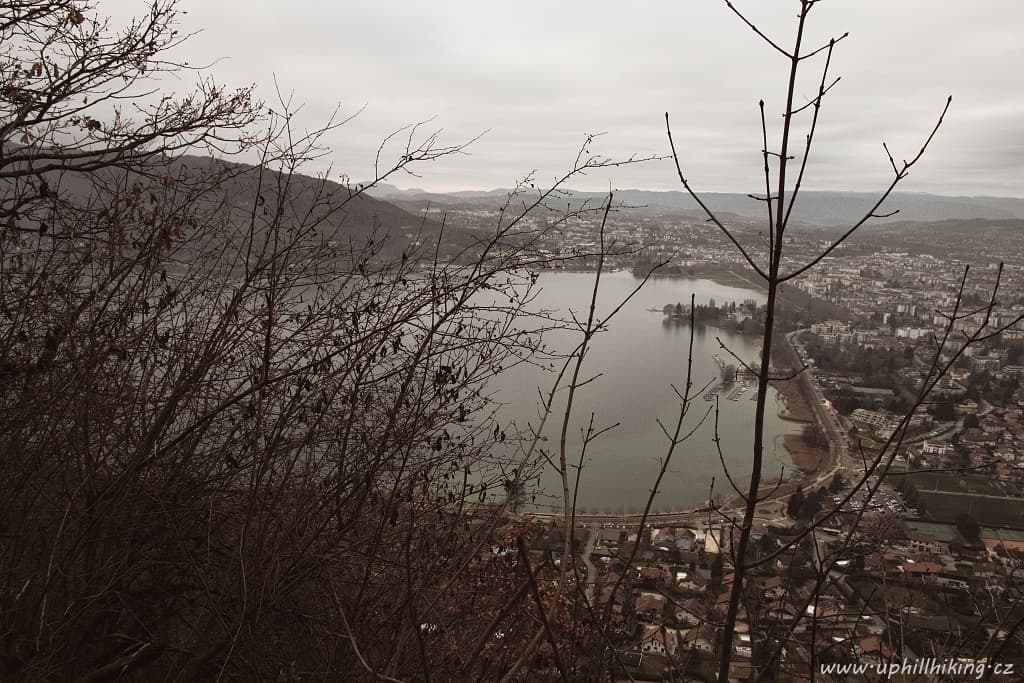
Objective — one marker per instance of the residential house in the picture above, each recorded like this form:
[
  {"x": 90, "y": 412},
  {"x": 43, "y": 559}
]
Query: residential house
[
  {"x": 690, "y": 613},
  {"x": 774, "y": 588},
  {"x": 693, "y": 582},
  {"x": 873, "y": 650},
  {"x": 660, "y": 640},
  {"x": 700, "y": 638},
  {"x": 649, "y": 606}
]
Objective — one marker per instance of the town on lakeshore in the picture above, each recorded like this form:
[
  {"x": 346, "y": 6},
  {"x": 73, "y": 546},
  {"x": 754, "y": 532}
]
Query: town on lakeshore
[{"x": 908, "y": 559}]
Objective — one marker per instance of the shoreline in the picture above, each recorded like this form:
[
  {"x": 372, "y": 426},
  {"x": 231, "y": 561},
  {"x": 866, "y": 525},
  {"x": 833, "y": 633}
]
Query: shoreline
[
  {"x": 794, "y": 408},
  {"x": 723, "y": 274},
  {"x": 720, "y": 275},
  {"x": 790, "y": 407}
]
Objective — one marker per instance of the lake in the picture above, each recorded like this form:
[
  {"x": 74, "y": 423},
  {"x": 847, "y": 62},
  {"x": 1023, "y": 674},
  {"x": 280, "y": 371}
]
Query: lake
[{"x": 640, "y": 358}]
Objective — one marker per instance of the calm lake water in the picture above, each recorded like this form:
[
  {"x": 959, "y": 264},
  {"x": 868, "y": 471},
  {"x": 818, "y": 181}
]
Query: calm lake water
[{"x": 639, "y": 359}]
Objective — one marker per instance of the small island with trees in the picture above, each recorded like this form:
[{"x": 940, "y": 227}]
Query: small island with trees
[{"x": 745, "y": 317}]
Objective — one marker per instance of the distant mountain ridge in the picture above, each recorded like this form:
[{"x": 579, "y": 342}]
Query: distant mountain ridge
[
  {"x": 824, "y": 208},
  {"x": 341, "y": 214}
]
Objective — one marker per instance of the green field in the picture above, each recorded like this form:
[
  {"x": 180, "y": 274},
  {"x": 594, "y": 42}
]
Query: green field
[
  {"x": 938, "y": 530},
  {"x": 946, "y": 481},
  {"x": 986, "y": 510}
]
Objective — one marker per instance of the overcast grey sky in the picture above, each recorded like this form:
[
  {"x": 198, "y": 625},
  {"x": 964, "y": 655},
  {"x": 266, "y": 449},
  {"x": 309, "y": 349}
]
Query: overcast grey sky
[{"x": 538, "y": 76}]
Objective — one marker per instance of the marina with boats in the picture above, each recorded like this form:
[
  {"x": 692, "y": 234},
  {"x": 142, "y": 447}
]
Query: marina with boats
[{"x": 734, "y": 382}]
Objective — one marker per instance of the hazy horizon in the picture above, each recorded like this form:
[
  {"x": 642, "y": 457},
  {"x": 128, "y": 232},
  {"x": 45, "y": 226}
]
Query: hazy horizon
[
  {"x": 483, "y": 190},
  {"x": 534, "y": 79}
]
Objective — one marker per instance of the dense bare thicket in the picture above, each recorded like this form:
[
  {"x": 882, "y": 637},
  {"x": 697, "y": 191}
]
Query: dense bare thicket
[{"x": 245, "y": 432}]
